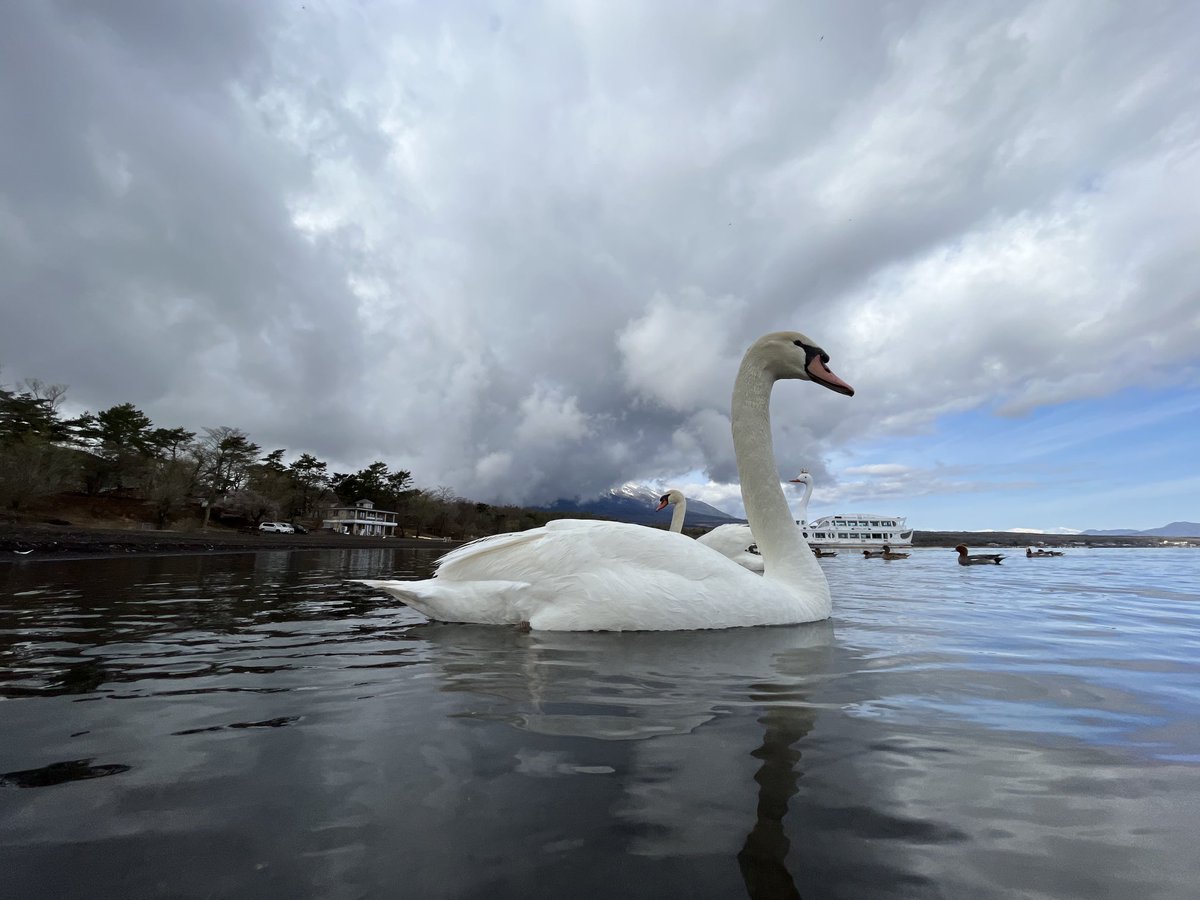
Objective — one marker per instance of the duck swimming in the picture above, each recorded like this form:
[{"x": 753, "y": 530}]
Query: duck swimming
[{"x": 979, "y": 559}]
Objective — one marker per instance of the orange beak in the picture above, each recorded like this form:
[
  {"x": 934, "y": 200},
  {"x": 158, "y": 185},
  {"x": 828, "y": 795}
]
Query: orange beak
[{"x": 819, "y": 372}]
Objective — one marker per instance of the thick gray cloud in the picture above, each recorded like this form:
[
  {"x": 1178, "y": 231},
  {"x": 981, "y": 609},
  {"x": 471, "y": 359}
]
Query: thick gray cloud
[{"x": 519, "y": 248}]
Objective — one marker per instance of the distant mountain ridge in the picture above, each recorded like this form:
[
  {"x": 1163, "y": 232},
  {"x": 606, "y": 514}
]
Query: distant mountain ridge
[
  {"x": 1175, "y": 529},
  {"x": 636, "y": 503}
]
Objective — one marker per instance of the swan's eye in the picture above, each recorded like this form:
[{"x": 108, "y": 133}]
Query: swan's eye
[
  {"x": 810, "y": 352},
  {"x": 664, "y": 499}
]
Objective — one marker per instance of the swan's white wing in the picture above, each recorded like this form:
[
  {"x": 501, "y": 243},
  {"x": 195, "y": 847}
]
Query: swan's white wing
[
  {"x": 724, "y": 535},
  {"x": 734, "y": 541},
  {"x": 555, "y": 548},
  {"x": 486, "y": 547},
  {"x": 728, "y": 540}
]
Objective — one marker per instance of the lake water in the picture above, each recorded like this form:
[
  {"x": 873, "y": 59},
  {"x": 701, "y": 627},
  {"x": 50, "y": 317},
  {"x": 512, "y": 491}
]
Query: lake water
[{"x": 252, "y": 726}]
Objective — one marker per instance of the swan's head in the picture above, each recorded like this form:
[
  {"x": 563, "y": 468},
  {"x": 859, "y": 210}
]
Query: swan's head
[
  {"x": 802, "y": 478},
  {"x": 668, "y": 498},
  {"x": 962, "y": 549},
  {"x": 790, "y": 354}
]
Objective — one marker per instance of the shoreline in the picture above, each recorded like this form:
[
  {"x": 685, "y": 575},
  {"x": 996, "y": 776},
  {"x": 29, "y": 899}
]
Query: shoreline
[
  {"x": 1022, "y": 539},
  {"x": 26, "y": 541},
  {"x": 30, "y": 542}
]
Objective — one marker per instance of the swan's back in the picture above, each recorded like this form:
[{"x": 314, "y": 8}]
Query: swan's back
[{"x": 559, "y": 548}]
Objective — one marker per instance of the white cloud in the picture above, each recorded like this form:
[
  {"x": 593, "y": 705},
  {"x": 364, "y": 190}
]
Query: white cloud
[
  {"x": 678, "y": 353},
  {"x": 494, "y": 467},
  {"x": 547, "y": 419}
]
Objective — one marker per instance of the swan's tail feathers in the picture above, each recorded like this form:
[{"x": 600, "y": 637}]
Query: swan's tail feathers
[{"x": 477, "y": 602}]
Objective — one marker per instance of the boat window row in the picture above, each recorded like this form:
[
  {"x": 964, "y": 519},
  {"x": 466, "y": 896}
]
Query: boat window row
[{"x": 849, "y": 535}]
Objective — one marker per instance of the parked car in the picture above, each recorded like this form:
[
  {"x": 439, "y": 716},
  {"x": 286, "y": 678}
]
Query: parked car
[
  {"x": 276, "y": 527},
  {"x": 298, "y": 528}
]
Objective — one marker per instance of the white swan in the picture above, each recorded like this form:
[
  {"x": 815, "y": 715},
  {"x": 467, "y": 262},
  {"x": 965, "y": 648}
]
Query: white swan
[
  {"x": 575, "y": 575},
  {"x": 805, "y": 479},
  {"x": 734, "y": 542},
  {"x": 680, "y": 502}
]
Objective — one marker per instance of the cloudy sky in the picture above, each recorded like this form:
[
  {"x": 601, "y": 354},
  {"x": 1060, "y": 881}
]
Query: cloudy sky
[{"x": 518, "y": 248}]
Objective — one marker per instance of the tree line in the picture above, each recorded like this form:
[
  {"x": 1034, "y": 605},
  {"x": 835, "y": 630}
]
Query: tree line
[{"x": 219, "y": 471}]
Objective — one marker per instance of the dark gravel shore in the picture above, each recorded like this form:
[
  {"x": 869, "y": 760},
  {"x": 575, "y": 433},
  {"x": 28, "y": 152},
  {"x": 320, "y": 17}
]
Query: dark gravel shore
[{"x": 65, "y": 541}]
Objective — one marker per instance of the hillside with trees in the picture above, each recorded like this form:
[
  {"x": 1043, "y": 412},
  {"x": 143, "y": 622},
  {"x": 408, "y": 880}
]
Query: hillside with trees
[{"x": 116, "y": 464}]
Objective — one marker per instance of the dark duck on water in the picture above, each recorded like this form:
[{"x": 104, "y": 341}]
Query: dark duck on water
[{"x": 978, "y": 559}]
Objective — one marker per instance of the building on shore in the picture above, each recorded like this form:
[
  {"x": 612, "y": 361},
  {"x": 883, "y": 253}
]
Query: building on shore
[{"x": 361, "y": 518}]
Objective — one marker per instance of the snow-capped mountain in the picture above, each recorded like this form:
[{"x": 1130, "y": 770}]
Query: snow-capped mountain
[{"x": 632, "y": 502}]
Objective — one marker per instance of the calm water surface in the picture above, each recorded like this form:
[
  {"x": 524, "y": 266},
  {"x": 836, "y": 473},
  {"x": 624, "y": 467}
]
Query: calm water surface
[{"x": 253, "y": 726}]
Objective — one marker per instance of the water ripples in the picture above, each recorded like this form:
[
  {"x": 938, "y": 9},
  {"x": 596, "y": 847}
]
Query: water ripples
[{"x": 952, "y": 731}]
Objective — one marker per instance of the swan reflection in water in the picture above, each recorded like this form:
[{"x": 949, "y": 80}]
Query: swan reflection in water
[{"x": 657, "y": 701}]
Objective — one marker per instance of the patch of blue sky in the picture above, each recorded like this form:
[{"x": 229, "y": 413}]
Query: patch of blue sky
[{"x": 1128, "y": 460}]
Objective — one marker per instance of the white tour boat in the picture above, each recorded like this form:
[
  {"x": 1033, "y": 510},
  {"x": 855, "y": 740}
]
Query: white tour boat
[{"x": 850, "y": 531}]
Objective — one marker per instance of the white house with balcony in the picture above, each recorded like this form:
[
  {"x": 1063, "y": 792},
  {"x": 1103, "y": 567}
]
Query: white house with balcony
[{"x": 361, "y": 518}]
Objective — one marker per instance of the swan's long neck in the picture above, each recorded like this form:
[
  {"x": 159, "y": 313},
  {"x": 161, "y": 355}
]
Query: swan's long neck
[
  {"x": 785, "y": 554},
  {"x": 678, "y": 514},
  {"x": 802, "y": 509}
]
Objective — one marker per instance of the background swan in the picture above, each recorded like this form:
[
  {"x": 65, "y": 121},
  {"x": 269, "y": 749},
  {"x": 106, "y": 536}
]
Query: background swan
[
  {"x": 674, "y": 498},
  {"x": 736, "y": 542},
  {"x": 804, "y": 478},
  {"x": 577, "y": 575}
]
